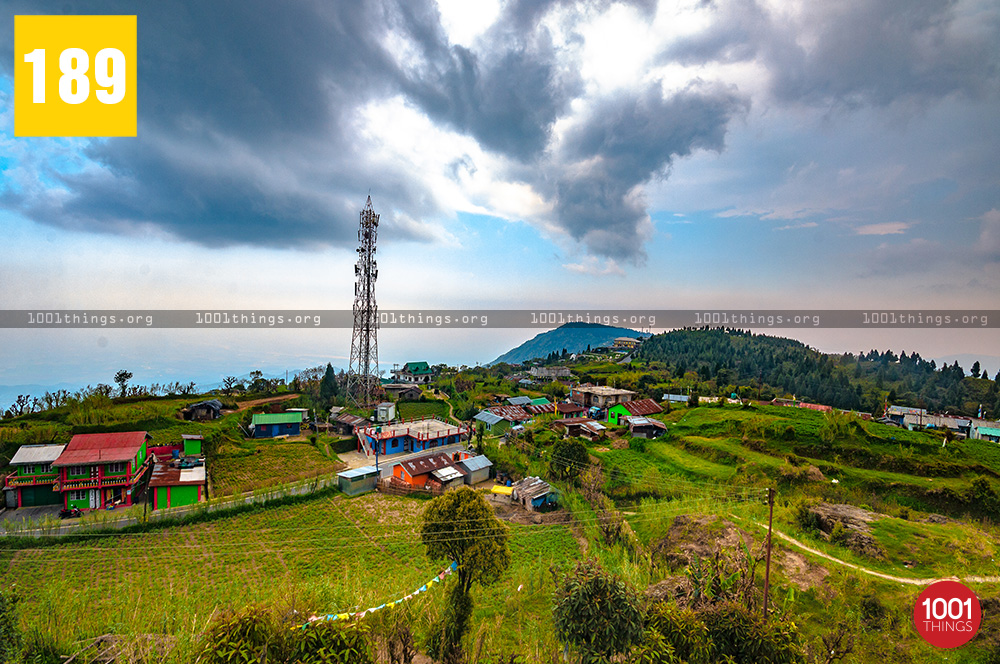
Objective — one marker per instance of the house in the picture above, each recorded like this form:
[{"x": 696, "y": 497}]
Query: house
[
  {"x": 419, "y": 470},
  {"x": 477, "y": 469},
  {"x": 488, "y": 419},
  {"x": 414, "y": 372},
  {"x": 987, "y": 433},
  {"x": 600, "y": 396},
  {"x": 345, "y": 424},
  {"x": 638, "y": 408},
  {"x": 177, "y": 483},
  {"x": 581, "y": 426},
  {"x": 33, "y": 481},
  {"x": 675, "y": 398},
  {"x": 525, "y": 382},
  {"x": 102, "y": 469},
  {"x": 519, "y": 401},
  {"x": 550, "y": 372},
  {"x": 540, "y": 401},
  {"x": 203, "y": 410},
  {"x": 385, "y": 412},
  {"x": 356, "y": 481},
  {"x": 570, "y": 409},
  {"x": 408, "y": 436},
  {"x": 645, "y": 427},
  {"x": 533, "y": 493},
  {"x": 269, "y": 425},
  {"x": 625, "y": 343},
  {"x": 402, "y": 391}
]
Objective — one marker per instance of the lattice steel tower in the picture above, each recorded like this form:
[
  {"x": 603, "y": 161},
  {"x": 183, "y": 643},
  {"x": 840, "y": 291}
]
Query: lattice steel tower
[{"x": 363, "y": 385}]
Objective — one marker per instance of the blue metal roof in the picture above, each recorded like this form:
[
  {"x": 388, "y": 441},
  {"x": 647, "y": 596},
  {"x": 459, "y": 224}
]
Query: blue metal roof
[
  {"x": 358, "y": 472},
  {"x": 476, "y": 463},
  {"x": 488, "y": 417},
  {"x": 519, "y": 401}
]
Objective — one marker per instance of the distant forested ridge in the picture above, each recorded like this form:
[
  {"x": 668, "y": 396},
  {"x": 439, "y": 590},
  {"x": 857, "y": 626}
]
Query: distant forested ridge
[{"x": 730, "y": 358}]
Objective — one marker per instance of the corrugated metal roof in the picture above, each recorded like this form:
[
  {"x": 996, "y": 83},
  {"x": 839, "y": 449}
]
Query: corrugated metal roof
[
  {"x": 519, "y": 401},
  {"x": 353, "y": 420},
  {"x": 531, "y": 487},
  {"x": 32, "y": 454},
  {"x": 426, "y": 464},
  {"x": 192, "y": 436},
  {"x": 166, "y": 475},
  {"x": 988, "y": 431},
  {"x": 475, "y": 463},
  {"x": 364, "y": 471},
  {"x": 512, "y": 413},
  {"x": 447, "y": 474},
  {"x": 645, "y": 422},
  {"x": 277, "y": 418},
  {"x": 417, "y": 368},
  {"x": 539, "y": 409},
  {"x": 488, "y": 417},
  {"x": 539, "y": 401},
  {"x": 640, "y": 407},
  {"x": 85, "y": 448}
]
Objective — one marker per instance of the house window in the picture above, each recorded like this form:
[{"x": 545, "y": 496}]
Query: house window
[
  {"x": 78, "y": 495},
  {"x": 77, "y": 470},
  {"x": 116, "y": 468}
]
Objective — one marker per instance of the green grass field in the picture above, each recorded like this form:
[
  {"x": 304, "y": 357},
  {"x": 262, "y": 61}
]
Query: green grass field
[{"x": 326, "y": 555}]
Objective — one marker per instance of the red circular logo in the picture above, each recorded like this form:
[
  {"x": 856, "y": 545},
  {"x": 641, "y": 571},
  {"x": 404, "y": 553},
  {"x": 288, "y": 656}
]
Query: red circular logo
[{"x": 947, "y": 614}]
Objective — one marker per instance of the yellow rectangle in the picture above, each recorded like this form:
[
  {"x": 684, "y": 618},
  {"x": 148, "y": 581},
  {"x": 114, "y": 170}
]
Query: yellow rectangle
[{"x": 67, "y": 50}]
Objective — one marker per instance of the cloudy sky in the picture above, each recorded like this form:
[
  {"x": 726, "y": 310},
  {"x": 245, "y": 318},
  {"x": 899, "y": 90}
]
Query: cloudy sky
[{"x": 521, "y": 153}]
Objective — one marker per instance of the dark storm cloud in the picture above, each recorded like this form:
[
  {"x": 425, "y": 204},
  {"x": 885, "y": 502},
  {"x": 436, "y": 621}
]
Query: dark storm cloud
[
  {"x": 622, "y": 143},
  {"x": 859, "y": 52},
  {"x": 248, "y": 113}
]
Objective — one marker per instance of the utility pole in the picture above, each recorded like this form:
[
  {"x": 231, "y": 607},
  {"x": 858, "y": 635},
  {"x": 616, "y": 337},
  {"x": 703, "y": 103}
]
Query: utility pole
[{"x": 767, "y": 568}]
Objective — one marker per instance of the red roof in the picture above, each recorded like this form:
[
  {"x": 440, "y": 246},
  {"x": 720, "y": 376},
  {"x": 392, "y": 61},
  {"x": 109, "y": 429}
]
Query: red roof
[
  {"x": 540, "y": 409},
  {"x": 567, "y": 408},
  {"x": 642, "y": 407},
  {"x": 88, "y": 448}
]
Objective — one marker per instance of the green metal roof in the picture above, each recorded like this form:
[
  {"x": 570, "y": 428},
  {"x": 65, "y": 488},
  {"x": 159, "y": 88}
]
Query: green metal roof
[
  {"x": 417, "y": 367},
  {"x": 540, "y": 401},
  {"x": 989, "y": 431},
  {"x": 277, "y": 418}
]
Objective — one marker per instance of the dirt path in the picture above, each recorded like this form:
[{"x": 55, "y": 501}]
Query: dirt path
[
  {"x": 888, "y": 577},
  {"x": 243, "y": 405}
]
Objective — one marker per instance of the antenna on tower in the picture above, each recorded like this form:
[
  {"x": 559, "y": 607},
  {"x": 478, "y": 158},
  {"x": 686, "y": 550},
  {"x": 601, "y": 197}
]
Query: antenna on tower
[{"x": 363, "y": 385}]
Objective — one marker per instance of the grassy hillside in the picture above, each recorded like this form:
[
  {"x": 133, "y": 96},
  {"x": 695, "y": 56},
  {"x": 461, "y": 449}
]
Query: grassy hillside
[{"x": 572, "y": 337}]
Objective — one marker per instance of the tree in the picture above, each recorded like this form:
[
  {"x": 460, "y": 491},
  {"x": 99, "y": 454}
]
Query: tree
[
  {"x": 569, "y": 458},
  {"x": 975, "y": 369},
  {"x": 122, "y": 378},
  {"x": 460, "y": 526},
  {"x": 597, "y": 612},
  {"x": 228, "y": 383},
  {"x": 328, "y": 388}
]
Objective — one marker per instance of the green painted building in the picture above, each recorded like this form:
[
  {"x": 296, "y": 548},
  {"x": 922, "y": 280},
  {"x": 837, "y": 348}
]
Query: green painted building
[
  {"x": 415, "y": 372},
  {"x": 33, "y": 478},
  {"x": 170, "y": 485}
]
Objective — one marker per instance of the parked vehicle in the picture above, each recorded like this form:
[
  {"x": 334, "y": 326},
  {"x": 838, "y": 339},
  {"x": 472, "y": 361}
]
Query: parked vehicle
[{"x": 72, "y": 513}]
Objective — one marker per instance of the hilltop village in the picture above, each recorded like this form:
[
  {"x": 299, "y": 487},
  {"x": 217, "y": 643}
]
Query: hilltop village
[{"x": 659, "y": 472}]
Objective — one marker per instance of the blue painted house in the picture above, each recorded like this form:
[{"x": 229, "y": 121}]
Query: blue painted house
[
  {"x": 410, "y": 436},
  {"x": 269, "y": 425}
]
